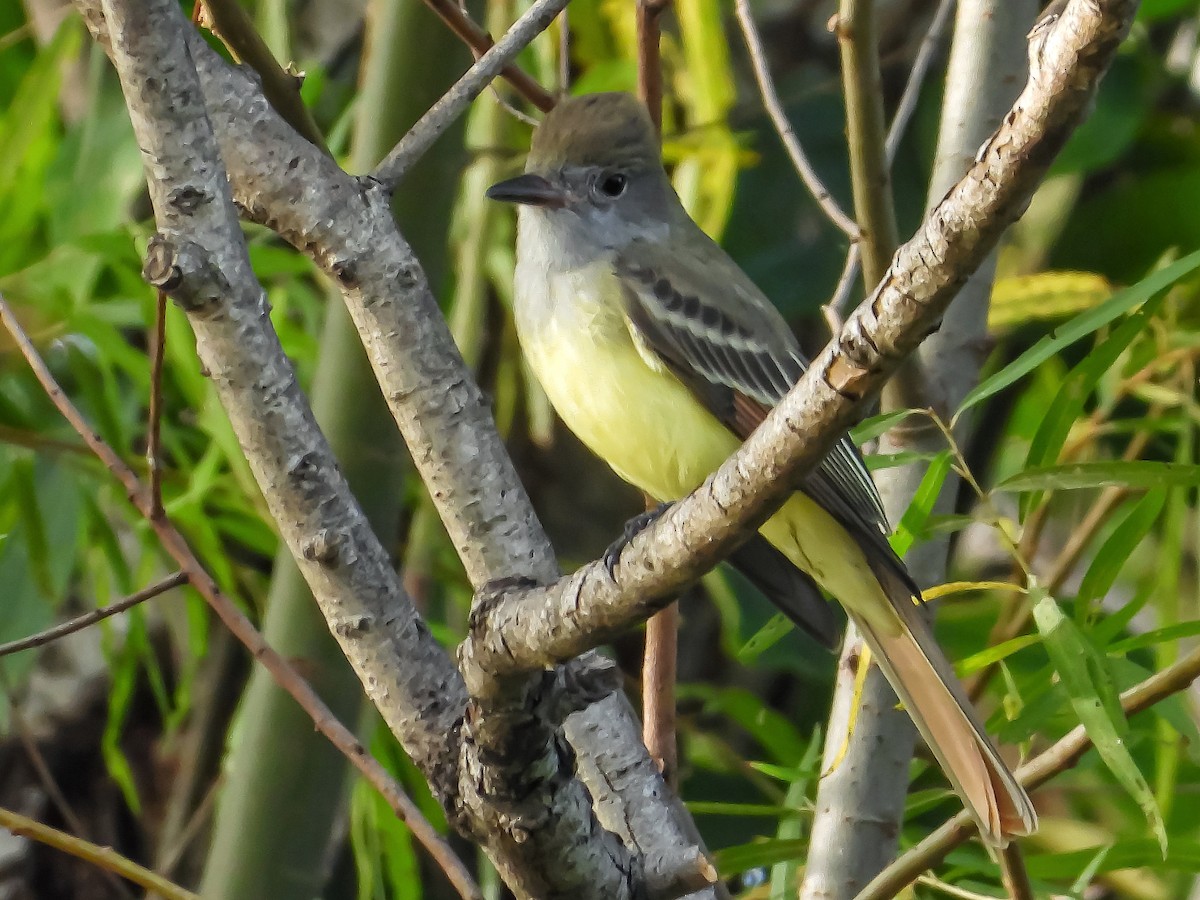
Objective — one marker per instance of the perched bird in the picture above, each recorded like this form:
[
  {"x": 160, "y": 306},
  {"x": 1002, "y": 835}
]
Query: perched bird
[{"x": 662, "y": 356}]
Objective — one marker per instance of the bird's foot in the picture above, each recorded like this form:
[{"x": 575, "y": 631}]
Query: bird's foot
[{"x": 632, "y": 528}]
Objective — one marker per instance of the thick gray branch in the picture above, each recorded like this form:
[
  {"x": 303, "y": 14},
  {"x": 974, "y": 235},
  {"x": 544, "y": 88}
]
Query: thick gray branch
[
  {"x": 345, "y": 224},
  {"x": 525, "y": 630},
  {"x": 201, "y": 258}
]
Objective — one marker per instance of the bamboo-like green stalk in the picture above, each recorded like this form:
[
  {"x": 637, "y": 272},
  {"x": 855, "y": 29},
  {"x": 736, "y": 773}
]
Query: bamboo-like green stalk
[{"x": 285, "y": 793}]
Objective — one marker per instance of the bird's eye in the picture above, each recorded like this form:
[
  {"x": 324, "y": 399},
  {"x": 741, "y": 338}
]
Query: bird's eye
[{"x": 612, "y": 184}]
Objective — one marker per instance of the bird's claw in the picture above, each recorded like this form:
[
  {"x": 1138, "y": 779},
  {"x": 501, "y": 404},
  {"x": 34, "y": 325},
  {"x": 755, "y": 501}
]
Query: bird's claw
[{"x": 639, "y": 523}]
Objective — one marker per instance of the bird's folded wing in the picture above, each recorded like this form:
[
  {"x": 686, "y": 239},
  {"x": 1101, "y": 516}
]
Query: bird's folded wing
[{"x": 708, "y": 323}]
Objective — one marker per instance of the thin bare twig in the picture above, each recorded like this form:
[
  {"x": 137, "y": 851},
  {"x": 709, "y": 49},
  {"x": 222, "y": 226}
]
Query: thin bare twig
[
  {"x": 661, "y": 653},
  {"x": 196, "y": 822},
  {"x": 158, "y": 338},
  {"x": 481, "y": 42},
  {"x": 46, "y": 776},
  {"x": 564, "y": 50},
  {"x": 96, "y": 615},
  {"x": 241, "y": 627},
  {"x": 440, "y": 116},
  {"x": 858, "y": 41},
  {"x": 844, "y": 290},
  {"x": 1013, "y": 874},
  {"x": 930, "y": 44},
  {"x": 104, "y": 857},
  {"x": 649, "y": 58},
  {"x": 659, "y": 674},
  {"x": 766, "y": 86}
]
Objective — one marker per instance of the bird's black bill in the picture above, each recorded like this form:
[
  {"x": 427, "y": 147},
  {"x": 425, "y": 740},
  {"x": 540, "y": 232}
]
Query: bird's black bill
[{"x": 532, "y": 190}]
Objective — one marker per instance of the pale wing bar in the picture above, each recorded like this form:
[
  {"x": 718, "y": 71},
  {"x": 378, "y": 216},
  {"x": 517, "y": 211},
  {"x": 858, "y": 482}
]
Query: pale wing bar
[{"x": 710, "y": 351}]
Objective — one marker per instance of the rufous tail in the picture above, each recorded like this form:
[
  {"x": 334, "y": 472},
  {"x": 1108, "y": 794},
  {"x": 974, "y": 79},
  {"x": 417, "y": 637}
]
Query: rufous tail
[{"x": 937, "y": 703}]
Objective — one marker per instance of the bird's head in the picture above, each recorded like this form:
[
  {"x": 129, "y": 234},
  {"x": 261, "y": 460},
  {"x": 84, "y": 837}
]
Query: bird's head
[{"x": 595, "y": 169}]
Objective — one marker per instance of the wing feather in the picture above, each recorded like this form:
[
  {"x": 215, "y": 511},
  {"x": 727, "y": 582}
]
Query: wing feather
[{"x": 739, "y": 358}]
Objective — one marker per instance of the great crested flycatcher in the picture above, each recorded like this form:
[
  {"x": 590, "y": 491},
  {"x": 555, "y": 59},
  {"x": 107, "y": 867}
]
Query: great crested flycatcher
[{"x": 662, "y": 356}]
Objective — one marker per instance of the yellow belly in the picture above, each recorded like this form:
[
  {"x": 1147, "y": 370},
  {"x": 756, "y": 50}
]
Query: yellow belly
[{"x": 643, "y": 422}]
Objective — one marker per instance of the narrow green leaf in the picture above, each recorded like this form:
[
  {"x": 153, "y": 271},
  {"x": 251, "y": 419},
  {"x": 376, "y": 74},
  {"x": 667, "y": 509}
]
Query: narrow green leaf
[
  {"x": 763, "y": 639},
  {"x": 784, "y": 875},
  {"x": 718, "y": 808},
  {"x": 1114, "y": 624},
  {"x": 1067, "y": 406},
  {"x": 992, "y": 655},
  {"x": 1094, "y": 698},
  {"x": 1119, "y": 546},
  {"x": 1184, "y": 856},
  {"x": 1110, "y": 473},
  {"x": 877, "y": 461},
  {"x": 1079, "y": 327},
  {"x": 872, "y": 427},
  {"x": 1089, "y": 872},
  {"x": 912, "y": 523},
  {"x": 733, "y": 860},
  {"x": 1174, "y": 710},
  {"x": 1156, "y": 636},
  {"x": 775, "y": 732}
]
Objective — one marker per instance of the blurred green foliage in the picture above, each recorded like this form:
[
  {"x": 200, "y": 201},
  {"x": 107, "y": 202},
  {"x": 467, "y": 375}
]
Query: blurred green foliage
[{"x": 1088, "y": 418}]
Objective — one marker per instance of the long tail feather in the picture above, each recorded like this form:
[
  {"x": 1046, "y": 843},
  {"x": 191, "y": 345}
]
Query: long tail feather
[{"x": 923, "y": 679}]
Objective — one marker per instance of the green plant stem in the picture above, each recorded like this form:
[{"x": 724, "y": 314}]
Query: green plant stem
[{"x": 104, "y": 857}]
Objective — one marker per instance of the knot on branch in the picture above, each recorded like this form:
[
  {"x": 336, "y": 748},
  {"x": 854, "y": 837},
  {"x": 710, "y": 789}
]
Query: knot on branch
[
  {"x": 324, "y": 547},
  {"x": 186, "y": 273},
  {"x": 188, "y": 198},
  {"x": 575, "y": 686},
  {"x": 851, "y": 371}
]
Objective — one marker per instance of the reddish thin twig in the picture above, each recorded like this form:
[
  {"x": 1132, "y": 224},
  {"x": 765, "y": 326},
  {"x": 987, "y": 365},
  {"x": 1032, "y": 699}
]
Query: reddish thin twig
[
  {"x": 1013, "y": 874},
  {"x": 661, "y": 653},
  {"x": 241, "y": 627},
  {"x": 96, "y": 615},
  {"x": 659, "y": 668},
  {"x": 158, "y": 338},
  {"x": 480, "y": 42},
  {"x": 649, "y": 58}
]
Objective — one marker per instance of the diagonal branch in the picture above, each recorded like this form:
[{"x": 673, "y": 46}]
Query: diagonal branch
[
  {"x": 421, "y": 136},
  {"x": 770, "y": 96},
  {"x": 481, "y": 42},
  {"x": 525, "y": 630},
  {"x": 88, "y": 619},
  {"x": 237, "y": 623},
  {"x": 104, "y": 857}
]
